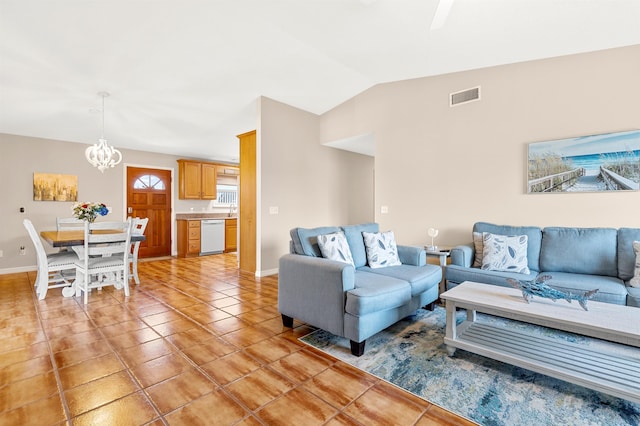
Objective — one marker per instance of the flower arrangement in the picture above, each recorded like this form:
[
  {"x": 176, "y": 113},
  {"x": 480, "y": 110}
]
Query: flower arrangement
[{"x": 89, "y": 211}]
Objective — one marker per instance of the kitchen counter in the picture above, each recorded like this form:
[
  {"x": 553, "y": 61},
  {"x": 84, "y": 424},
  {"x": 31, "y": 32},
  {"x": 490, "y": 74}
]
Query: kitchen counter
[{"x": 203, "y": 215}]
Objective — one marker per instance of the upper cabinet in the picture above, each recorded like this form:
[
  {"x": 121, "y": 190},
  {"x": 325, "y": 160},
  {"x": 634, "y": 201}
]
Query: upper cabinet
[{"x": 196, "y": 180}]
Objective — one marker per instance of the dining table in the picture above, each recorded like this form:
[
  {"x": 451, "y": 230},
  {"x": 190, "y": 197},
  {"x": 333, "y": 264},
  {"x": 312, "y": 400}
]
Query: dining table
[
  {"x": 76, "y": 237},
  {"x": 75, "y": 240}
]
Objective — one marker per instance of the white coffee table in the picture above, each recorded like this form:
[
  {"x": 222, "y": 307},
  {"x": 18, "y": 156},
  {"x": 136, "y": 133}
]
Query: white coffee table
[{"x": 609, "y": 370}]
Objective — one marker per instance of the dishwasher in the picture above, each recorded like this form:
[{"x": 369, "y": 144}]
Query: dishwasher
[{"x": 211, "y": 236}]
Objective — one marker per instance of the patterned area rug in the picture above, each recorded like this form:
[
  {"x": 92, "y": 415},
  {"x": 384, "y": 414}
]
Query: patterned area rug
[{"x": 411, "y": 354}]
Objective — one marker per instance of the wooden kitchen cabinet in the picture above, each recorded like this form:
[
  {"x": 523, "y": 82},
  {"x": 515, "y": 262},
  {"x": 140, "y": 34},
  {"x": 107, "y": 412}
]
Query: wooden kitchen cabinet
[
  {"x": 188, "y": 238},
  {"x": 196, "y": 180},
  {"x": 230, "y": 235}
]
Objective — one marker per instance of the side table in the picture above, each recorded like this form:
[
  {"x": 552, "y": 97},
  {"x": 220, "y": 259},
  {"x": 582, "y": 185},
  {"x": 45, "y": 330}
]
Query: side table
[{"x": 442, "y": 253}]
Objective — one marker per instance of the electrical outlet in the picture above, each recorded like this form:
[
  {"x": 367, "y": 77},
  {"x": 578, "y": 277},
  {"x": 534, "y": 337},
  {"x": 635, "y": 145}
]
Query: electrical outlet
[
  {"x": 384, "y": 209},
  {"x": 1, "y": 253},
  {"x": 23, "y": 251}
]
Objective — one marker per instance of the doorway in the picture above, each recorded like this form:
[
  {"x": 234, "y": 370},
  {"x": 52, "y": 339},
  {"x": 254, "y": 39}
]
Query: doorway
[{"x": 149, "y": 195}]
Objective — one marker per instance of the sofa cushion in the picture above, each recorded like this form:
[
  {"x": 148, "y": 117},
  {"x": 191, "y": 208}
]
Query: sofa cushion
[
  {"x": 356, "y": 241},
  {"x": 626, "y": 256},
  {"x": 610, "y": 289},
  {"x": 376, "y": 292},
  {"x": 635, "y": 281},
  {"x": 456, "y": 274},
  {"x": 504, "y": 253},
  {"x": 580, "y": 251},
  {"x": 381, "y": 249},
  {"x": 334, "y": 246},
  {"x": 305, "y": 239},
  {"x": 633, "y": 298},
  {"x": 421, "y": 278},
  {"x": 534, "y": 239}
]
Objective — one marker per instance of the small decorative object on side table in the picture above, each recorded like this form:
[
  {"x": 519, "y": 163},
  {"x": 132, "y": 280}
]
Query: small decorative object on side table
[{"x": 433, "y": 233}]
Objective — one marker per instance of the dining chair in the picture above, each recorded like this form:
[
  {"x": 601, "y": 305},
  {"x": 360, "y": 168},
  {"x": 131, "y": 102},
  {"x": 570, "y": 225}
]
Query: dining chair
[
  {"x": 55, "y": 269},
  {"x": 69, "y": 224},
  {"x": 104, "y": 258},
  {"x": 137, "y": 228}
]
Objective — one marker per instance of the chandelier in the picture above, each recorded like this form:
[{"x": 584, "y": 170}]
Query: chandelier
[{"x": 101, "y": 155}]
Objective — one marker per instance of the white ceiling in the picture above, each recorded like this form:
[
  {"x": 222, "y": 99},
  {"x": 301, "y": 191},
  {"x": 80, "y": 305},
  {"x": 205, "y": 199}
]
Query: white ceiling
[{"x": 184, "y": 75}]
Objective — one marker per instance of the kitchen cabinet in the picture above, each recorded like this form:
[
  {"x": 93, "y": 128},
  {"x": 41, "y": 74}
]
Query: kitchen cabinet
[
  {"x": 196, "y": 180},
  {"x": 230, "y": 235},
  {"x": 188, "y": 238}
]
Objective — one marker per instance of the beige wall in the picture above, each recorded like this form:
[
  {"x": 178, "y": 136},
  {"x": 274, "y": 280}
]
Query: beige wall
[
  {"x": 21, "y": 156},
  {"x": 435, "y": 166},
  {"x": 447, "y": 168},
  {"x": 311, "y": 185}
]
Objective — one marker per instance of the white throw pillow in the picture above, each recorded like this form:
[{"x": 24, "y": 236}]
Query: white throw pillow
[
  {"x": 335, "y": 247},
  {"x": 381, "y": 249},
  {"x": 635, "y": 281},
  {"x": 504, "y": 253}
]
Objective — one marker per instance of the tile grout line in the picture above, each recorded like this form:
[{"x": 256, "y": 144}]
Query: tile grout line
[{"x": 54, "y": 365}]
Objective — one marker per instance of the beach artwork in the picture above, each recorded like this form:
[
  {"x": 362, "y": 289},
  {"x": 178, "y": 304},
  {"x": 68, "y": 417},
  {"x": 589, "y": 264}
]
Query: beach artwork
[
  {"x": 54, "y": 187},
  {"x": 595, "y": 163}
]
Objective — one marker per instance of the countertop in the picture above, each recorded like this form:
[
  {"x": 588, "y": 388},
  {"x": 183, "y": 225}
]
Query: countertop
[{"x": 201, "y": 215}]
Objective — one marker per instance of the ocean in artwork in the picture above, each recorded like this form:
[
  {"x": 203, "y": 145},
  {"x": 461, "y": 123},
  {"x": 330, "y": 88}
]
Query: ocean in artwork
[{"x": 592, "y": 162}]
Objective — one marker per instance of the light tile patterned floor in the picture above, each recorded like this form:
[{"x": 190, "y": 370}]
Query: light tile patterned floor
[{"x": 197, "y": 342}]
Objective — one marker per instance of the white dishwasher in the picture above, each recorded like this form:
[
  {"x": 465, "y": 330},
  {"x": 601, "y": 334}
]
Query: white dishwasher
[{"x": 211, "y": 236}]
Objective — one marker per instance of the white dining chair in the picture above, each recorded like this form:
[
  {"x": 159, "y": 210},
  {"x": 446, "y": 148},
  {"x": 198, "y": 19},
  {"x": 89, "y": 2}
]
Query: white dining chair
[
  {"x": 104, "y": 258},
  {"x": 137, "y": 228},
  {"x": 54, "y": 270},
  {"x": 69, "y": 224}
]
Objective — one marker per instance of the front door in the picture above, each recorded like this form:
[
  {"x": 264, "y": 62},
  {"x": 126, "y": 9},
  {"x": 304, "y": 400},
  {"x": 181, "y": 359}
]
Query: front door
[{"x": 149, "y": 195}]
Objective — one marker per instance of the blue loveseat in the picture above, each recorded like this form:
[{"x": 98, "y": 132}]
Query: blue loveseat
[
  {"x": 578, "y": 260},
  {"x": 352, "y": 301}
]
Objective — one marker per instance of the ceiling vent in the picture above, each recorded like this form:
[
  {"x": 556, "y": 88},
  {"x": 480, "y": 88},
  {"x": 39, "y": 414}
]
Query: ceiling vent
[{"x": 464, "y": 96}]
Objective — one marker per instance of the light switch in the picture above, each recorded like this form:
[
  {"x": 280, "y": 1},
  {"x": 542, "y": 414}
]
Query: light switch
[{"x": 273, "y": 210}]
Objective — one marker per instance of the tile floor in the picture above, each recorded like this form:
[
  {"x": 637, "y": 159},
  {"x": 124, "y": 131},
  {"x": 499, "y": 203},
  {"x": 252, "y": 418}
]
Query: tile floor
[{"x": 197, "y": 342}]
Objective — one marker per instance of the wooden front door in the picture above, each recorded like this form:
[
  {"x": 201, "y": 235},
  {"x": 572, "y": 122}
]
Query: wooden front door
[{"x": 149, "y": 195}]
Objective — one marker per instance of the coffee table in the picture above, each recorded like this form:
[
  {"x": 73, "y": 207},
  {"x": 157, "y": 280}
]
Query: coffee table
[{"x": 612, "y": 368}]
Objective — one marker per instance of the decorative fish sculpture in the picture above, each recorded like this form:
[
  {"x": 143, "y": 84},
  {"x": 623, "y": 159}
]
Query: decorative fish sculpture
[{"x": 537, "y": 287}]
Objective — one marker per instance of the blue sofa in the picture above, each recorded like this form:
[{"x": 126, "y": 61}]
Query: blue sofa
[
  {"x": 578, "y": 259},
  {"x": 352, "y": 301}
]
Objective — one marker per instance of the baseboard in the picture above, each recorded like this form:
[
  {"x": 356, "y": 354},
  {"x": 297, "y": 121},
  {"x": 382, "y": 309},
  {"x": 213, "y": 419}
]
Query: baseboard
[
  {"x": 267, "y": 272},
  {"x": 17, "y": 270}
]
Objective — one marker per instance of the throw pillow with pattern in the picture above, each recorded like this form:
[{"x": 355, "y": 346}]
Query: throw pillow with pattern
[
  {"x": 504, "y": 253},
  {"x": 334, "y": 246},
  {"x": 381, "y": 249},
  {"x": 635, "y": 281}
]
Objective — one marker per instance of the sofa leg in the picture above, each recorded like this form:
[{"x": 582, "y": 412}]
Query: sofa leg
[
  {"x": 357, "y": 348},
  {"x": 431, "y": 306},
  {"x": 287, "y": 321}
]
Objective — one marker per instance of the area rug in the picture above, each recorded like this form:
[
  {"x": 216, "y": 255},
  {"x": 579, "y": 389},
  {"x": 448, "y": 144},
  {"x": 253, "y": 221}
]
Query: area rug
[{"x": 411, "y": 354}]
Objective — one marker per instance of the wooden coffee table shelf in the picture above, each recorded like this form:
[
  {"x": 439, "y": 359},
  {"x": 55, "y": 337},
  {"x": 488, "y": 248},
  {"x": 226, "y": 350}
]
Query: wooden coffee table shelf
[{"x": 609, "y": 370}]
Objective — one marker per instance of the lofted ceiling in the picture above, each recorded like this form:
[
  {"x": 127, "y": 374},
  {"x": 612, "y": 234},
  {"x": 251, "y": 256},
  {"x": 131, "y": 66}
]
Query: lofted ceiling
[{"x": 184, "y": 76}]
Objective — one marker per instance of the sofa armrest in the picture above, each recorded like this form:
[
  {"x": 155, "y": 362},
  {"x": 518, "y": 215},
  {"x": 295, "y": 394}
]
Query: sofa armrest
[
  {"x": 313, "y": 290},
  {"x": 462, "y": 255},
  {"x": 411, "y": 255}
]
